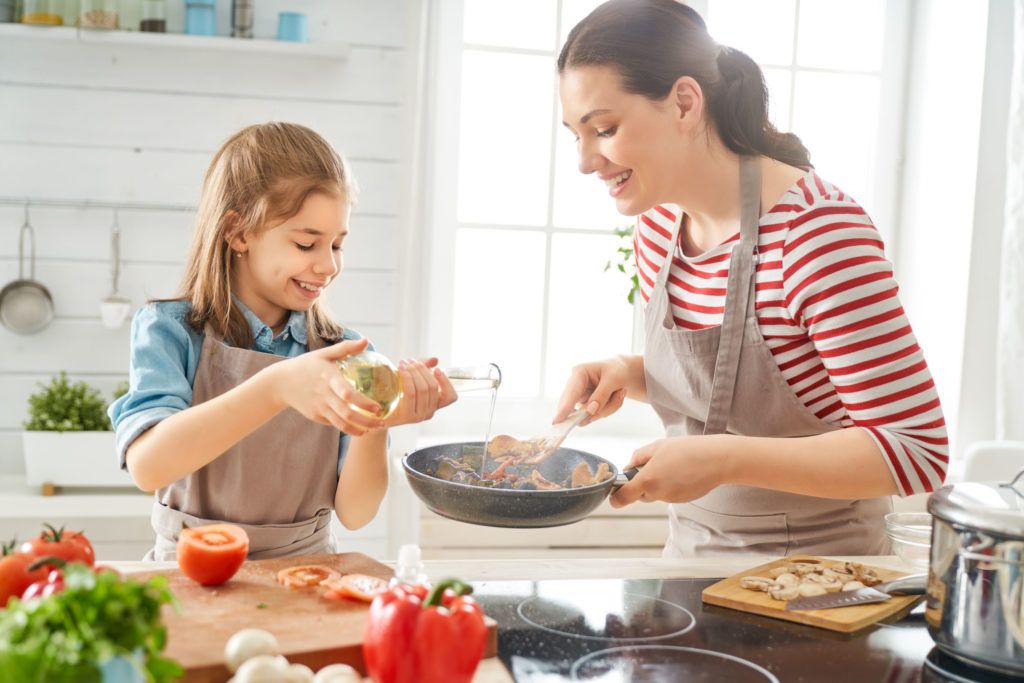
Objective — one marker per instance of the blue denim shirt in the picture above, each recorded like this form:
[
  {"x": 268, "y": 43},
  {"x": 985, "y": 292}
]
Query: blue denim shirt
[{"x": 164, "y": 358}]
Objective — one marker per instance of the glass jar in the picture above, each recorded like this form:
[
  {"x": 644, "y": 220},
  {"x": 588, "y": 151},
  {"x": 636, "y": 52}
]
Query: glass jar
[
  {"x": 200, "y": 18},
  {"x": 154, "y": 16},
  {"x": 46, "y": 12},
  {"x": 98, "y": 14}
]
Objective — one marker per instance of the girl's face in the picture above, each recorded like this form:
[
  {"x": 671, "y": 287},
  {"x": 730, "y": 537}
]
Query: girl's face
[
  {"x": 634, "y": 145},
  {"x": 287, "y": 267}
]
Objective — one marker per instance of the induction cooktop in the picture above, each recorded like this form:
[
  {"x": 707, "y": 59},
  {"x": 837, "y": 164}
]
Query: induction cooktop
[{"x": 659, "y": 631}]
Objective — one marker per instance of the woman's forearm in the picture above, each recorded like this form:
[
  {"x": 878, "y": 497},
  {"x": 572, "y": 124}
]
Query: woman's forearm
[
  {"x": 844, "y": 464},
  {"x": 364, "y": 479},
  {"x": 192, "y": 438},
  {"x": 636, "y": 389}
]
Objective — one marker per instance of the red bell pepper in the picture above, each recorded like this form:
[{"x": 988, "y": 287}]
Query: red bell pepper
[{"x": 413, "y": 637}]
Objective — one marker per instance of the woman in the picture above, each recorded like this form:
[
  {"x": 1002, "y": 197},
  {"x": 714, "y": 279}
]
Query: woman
[{"x": 794, "y": 396}]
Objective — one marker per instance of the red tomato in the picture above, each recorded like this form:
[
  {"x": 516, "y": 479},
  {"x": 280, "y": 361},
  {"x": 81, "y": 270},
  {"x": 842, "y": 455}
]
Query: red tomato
[
  {"x": 70, "y": 546},
  {"x": 355, "y": 587},
  {"x": 15, "y": 576},
  {"x": 211, "y": 554},
  {"x": 54, "y": 583}
]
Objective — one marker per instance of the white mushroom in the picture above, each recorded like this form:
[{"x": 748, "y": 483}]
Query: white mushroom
[
  {"x": 853, "y": 585},
  {"x": 787, "y": 580},
  {"x": 337, "y": 673},
  {"x": 756, "y": 583},
  {"x": 784, "y": 592},
  {"x": 249, "y": 643},
  {"x": 805, "y": 568},
  {"x": 298, "y": 673},
  {"x": 830, "y": 584},
  {"x": 786, "y": 568},
  {"x": 263, "y": 669},
  {"x": 808, "y": 590}
]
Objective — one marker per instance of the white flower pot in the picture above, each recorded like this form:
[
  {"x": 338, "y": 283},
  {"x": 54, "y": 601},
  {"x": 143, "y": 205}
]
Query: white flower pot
[{"x": 72, "y": 459}]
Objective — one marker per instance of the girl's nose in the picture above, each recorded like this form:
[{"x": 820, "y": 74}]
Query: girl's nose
[{"x": 329, "y": 263}]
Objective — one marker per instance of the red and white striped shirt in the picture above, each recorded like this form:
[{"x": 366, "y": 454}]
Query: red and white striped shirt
[{"x": 827, "y": 306}]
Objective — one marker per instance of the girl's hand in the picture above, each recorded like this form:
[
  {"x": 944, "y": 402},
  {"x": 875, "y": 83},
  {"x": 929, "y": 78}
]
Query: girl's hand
[
  {"x": 601, "y": 386},
  {"x": 675, "y": 470},
  {"x": 313, "y": 385},
  {"x": 425, "y": 389}
]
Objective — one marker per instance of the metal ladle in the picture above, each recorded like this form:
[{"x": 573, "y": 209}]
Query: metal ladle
[{"x": 115, "y": 308}]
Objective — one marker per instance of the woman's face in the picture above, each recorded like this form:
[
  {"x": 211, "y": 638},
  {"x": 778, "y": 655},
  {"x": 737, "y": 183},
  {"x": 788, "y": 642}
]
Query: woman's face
[
  {"x": 287, "y": 267},
  {"x": 633, "y": 144}
]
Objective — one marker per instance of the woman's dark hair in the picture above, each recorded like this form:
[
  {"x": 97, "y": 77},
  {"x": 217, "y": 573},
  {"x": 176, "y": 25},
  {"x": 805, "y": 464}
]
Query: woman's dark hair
[{"x": 652, "y": 43}]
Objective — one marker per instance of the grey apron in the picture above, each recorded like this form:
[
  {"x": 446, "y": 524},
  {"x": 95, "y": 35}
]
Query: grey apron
[
  {"x": 724, "y": 379},
  {"x": 277, "y": 483}
]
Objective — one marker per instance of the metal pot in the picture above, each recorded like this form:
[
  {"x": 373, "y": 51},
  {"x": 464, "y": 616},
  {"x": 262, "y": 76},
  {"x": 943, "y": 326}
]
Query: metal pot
[
  {"x": 975, "y": 603},
  {"x": 26, "y": 306}
]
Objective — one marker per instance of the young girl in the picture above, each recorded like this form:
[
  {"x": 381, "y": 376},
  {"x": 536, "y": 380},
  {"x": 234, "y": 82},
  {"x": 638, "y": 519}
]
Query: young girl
[
  {"x": 237, "y": 411},
  {"x": 794, "y": 395}
]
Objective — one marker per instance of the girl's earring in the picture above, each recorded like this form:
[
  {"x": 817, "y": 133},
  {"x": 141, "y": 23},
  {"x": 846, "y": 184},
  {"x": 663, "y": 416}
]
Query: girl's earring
[{"x": 238, "y": 254}]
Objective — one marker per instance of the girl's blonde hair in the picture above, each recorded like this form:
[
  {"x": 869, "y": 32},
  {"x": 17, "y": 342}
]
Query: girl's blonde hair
[{"x": 259, "y": 177}]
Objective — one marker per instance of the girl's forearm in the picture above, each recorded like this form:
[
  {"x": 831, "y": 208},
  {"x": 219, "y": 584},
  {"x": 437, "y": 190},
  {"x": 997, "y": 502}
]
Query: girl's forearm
[
  {"x": 364, "y": 479},
  {"x": 843, "y": 464},
  {"x": 192, "y": 438}
]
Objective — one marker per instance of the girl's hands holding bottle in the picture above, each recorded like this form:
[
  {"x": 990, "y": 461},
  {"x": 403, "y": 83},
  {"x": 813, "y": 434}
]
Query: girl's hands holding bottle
[
  {"x": 311, "y": 384},
  {"x": 425, "y": 390}
]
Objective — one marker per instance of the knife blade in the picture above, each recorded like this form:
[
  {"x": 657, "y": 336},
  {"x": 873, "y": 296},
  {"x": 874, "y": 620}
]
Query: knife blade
[
  {"x": 861, "y": 596},
  {"x": 914, "y": 584}
]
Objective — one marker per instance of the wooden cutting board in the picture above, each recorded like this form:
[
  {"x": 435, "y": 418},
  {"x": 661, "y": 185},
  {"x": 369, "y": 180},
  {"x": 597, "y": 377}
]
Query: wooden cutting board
[
  {"x": 311, "y": 630},
  {"x": 727, "y": 593}
]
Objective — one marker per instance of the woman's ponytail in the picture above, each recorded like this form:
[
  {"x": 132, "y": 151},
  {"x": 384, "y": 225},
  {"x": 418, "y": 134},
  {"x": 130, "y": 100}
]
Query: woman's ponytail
[{"x": 738, "y": 106}]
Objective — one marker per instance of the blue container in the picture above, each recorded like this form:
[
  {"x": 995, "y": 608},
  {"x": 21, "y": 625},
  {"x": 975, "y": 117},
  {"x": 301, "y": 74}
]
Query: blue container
[
  {"x": 123, "y": 670},
  {"x": 292, "y": 26},
  {"x": 200, "y": 18}
]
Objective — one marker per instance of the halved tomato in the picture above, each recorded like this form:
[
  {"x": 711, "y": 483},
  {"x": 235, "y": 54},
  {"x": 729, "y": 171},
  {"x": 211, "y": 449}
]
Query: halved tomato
[
  {"x": 355, "y": 587},
  {"x": 306, "y": 576},
  {"x": 212, "y": 554}
]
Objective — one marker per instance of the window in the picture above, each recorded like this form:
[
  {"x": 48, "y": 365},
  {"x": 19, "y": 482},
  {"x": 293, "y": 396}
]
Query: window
[{"x": 521, "y": 238}]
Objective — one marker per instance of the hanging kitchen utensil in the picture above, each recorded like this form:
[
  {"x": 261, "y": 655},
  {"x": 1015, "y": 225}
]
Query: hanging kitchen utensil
[
  {"x": 115, "y": 308},
  {"x": 26, "y": 306}
]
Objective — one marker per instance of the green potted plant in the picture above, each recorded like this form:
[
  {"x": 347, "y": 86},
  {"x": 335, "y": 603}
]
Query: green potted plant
[{"x": 68, "y": 439}]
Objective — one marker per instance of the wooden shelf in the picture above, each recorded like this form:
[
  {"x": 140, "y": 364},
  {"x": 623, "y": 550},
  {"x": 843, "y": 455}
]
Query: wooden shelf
[{"x": 27, "y": 32}]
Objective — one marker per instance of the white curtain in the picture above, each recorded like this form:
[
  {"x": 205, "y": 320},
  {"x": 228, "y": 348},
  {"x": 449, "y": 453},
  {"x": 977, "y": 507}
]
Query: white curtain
[{"x": 1010, "y": 365}]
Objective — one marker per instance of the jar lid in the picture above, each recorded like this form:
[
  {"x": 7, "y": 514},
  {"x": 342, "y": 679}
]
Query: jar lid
[{"x": 986, "y": 506}]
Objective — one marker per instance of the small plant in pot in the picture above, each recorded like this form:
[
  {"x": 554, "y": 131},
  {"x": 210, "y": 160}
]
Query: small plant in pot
[{"x": 68, "y": 439}]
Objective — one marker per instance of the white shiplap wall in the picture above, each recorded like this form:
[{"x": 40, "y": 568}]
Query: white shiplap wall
[{"x": 138, "y": 124}]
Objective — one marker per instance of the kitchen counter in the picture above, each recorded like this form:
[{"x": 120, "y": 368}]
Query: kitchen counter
[
  {"x": 617, "y": 568},
  {"x": 492, "y": 670}
]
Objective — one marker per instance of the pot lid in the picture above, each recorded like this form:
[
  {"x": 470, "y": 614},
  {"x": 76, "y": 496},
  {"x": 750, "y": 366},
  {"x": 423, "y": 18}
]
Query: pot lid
[{"x": 987, "y": 506}]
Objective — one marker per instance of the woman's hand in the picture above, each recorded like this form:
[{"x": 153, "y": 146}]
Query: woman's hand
[
  {"x": 313, "y": 385},
  {"x": 675, "y": 470},
  {"x": 602, "y": 386},
  {"x": 425, "y": 390}
]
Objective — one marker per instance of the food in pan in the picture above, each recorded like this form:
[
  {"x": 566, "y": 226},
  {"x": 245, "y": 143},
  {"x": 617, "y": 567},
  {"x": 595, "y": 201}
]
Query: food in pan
[{"x": 508, "y": 468}]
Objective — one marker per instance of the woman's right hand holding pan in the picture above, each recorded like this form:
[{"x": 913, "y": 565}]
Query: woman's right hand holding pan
[{"x": 312, "y": 385}]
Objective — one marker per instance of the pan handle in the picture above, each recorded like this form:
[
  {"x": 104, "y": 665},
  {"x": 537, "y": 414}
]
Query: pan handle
[{"x": 624, "y": 477}]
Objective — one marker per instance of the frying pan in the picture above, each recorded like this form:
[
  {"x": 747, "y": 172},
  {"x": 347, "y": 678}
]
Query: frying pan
[
  {"x": 26, "y": 306},
  {"x": 510, "y": 508}
]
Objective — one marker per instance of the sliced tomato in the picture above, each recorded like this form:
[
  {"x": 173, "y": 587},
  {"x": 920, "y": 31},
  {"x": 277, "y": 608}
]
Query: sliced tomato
[
  {"x": 70, "y": 546},
  {"x": 211, "y": 554},
  {"x": 355, "y": 587},
  {"x": 306, "y": 576}
]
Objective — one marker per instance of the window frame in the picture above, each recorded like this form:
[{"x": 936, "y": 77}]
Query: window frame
[{"x": 527, "y": 415}]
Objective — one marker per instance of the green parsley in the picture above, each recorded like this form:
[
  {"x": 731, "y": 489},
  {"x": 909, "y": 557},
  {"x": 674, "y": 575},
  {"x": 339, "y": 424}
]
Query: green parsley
[{"x": 65, "y": 637}]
